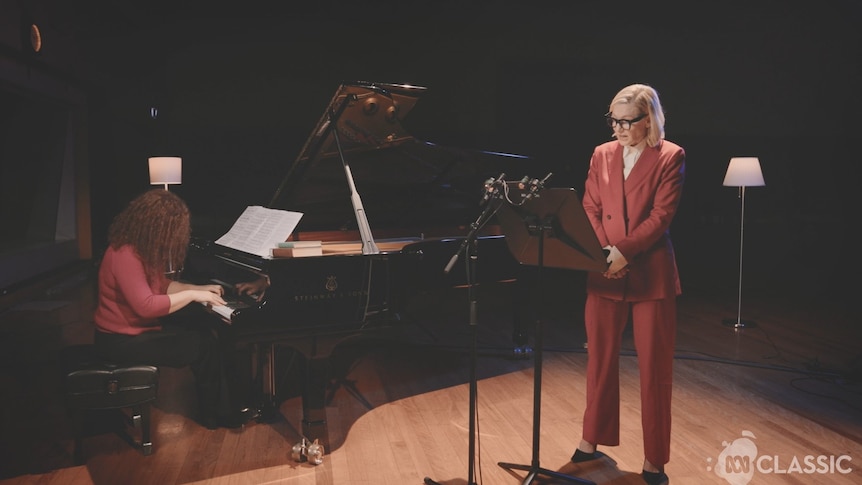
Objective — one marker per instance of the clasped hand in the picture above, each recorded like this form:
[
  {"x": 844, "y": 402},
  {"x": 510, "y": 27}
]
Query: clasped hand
[{"x": 618, "y": 265}]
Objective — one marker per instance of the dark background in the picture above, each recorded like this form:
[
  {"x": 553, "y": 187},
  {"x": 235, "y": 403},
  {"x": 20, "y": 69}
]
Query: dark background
[{"x": 239, "y": 87}]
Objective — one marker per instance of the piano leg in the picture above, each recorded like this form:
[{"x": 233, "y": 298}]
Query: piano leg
[
  {"x": 314, "y": 400},
  {"x": 314, "y": 385},
  {"x": 270, "y": 405},
  {"x": 263, "y": 379},
  {"x": 315, "y": 381}
]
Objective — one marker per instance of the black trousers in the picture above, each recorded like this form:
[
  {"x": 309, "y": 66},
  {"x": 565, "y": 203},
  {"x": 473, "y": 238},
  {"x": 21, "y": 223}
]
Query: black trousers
[{"x": 189, "y": 340}]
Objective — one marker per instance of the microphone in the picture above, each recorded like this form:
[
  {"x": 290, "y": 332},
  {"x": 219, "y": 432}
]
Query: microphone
[
  {"x": 451, "y": 263},
  {"x": 491, "y": 187},
  {"x": 493, "y": 181},
  {"x": 541, "y": 183},
  {"x": 536, "y": 185}
]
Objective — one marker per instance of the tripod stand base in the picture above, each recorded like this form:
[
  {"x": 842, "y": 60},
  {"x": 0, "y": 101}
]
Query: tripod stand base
[
  {"x": 535, "y": 471},
  {"x": 735, "y": 323},
  {"x": 428, "y": 481}
]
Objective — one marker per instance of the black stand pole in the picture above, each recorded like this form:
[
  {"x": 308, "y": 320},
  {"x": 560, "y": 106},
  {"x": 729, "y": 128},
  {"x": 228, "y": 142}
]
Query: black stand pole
[
  {"x": 534, "y": 468},
  {"x": 471, "y": 242}
]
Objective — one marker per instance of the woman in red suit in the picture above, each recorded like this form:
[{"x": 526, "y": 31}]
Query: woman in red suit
[{"x": 631, "y": 195}]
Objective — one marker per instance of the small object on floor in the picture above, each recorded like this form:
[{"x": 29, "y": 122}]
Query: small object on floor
[
  {"x": 308, "y": 452},
  {"x": 655, "y": 478}
]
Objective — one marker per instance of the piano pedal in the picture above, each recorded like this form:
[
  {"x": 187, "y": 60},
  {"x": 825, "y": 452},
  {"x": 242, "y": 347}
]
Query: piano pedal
[
  {"x": 522, "y": 352},
  {"x": 266, "y": 412},
  {"x": 305, "y": 451}
]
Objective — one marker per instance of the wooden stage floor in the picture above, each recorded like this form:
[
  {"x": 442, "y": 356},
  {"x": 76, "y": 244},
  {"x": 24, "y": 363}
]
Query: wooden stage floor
[{"x": 777, "y": 403}]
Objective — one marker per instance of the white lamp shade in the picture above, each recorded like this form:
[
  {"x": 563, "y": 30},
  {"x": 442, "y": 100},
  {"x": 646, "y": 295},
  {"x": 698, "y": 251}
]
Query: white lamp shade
[
  {"x": 166, "y": 170},
  {"x": 744, "y": 172}
]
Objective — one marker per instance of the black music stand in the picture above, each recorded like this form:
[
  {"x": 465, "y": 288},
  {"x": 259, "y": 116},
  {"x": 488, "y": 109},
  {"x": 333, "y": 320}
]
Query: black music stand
[{"x": 549, "y": 228}]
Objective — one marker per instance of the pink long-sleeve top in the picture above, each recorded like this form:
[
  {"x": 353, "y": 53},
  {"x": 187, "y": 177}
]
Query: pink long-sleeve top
[{"x": 128, "y": 303}]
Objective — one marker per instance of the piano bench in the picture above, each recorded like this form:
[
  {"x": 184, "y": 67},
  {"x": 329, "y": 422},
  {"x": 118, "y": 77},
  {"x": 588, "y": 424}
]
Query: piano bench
[{"x": 93, "y": 385}]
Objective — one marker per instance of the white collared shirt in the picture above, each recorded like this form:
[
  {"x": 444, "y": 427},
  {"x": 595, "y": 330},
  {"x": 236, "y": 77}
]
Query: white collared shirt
[{"x": 630, "y": 158}]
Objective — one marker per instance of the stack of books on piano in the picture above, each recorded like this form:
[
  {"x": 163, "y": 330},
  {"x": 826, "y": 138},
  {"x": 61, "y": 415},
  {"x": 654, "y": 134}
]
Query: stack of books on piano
[{"x": 296, "y": 249}]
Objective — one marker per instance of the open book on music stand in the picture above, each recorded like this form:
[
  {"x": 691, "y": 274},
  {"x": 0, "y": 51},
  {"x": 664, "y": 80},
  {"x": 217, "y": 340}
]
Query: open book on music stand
[{"x": 549, "y": 228}]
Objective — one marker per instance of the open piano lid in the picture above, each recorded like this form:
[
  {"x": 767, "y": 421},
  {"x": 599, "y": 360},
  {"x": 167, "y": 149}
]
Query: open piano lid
[{"x": 403, "y": 182}]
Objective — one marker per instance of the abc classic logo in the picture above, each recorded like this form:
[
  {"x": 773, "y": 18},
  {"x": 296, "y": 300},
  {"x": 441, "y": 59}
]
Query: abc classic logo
[{"x": 739, "y": 461}]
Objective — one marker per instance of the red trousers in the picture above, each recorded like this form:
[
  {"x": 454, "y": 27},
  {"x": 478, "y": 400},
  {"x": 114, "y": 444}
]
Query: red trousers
[{"x": 654, "y": 325}]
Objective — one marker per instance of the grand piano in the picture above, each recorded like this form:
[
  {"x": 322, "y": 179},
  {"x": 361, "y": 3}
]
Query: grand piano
[{"x": 419, "y": 202}]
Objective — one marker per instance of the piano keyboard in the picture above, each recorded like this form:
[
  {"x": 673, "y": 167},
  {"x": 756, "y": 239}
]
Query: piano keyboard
[{"x": 225, "y": 311}]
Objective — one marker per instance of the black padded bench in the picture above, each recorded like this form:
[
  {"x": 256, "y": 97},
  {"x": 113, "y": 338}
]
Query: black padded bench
[{"x": 92, "y": 384}]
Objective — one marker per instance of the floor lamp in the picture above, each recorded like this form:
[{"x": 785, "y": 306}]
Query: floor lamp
[
  {"x": 742, "y": 172},
  {"x": 166, "y": 171}
]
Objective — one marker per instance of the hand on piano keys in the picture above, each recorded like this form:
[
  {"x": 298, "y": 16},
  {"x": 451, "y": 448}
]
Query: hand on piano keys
[
  {"x": 181, "y": 294},
  {"x": 226, "y": 311},
  {"x": 239, "y": 296}
]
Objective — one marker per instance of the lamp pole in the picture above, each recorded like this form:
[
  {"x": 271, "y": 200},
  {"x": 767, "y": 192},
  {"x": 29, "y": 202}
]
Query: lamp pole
[
  {"x": 739, "y": 323},
  {"x": 741, "y": 173}
]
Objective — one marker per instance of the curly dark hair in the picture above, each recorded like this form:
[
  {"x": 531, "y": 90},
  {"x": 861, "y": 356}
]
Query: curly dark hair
[{"x": 157, "y": 224}]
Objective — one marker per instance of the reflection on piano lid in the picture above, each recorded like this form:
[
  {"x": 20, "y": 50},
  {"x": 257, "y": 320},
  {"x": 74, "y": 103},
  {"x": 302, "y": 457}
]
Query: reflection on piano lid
[{"x": 407, "y": 184}]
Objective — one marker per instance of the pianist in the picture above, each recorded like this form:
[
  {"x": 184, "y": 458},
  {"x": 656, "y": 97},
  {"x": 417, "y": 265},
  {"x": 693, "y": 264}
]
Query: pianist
[{"x": 136, "y": 317}]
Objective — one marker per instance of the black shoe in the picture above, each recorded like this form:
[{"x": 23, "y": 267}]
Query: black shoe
[
  {"x": 583, "y": 456},
  {"x": 655, "y": 478},
  {"x": 238, "y": 419}
]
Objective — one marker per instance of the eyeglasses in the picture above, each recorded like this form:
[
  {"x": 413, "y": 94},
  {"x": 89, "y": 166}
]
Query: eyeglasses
[{"x": 623, "y": 124}]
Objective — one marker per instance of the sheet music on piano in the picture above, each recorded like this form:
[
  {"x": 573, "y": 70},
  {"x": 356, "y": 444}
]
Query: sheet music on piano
[{"x": 259, "y": 229}]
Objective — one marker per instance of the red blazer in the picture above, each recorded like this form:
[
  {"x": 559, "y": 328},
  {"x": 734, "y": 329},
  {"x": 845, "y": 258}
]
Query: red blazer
[{"x": 635, "y": 214}]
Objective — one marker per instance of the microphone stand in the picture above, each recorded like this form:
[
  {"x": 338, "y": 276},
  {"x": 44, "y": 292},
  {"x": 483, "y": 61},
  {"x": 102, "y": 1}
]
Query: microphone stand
[{"x": 471, "y": 242}]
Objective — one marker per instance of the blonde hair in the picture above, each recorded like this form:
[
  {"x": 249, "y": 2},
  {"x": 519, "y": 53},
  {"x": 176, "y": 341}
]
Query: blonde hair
[
  {"x": 157, "y": 224},
  {"x": 645, "y": 99}
]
